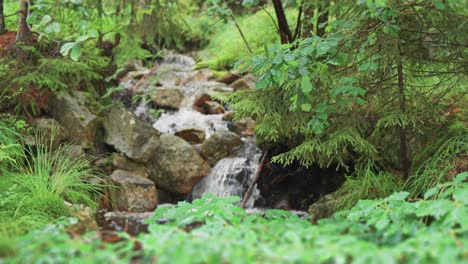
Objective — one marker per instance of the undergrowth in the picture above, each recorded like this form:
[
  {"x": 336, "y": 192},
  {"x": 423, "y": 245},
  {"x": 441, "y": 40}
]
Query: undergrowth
[
  {"x": 214, "y": 230},
  {"x": 226, "y": 45}
]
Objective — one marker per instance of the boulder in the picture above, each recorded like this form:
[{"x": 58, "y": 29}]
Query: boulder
[
  {"x": 219, "y": 146},
  {"x": 192, "y": 135},
  {"x": 168, "y": 98},
  {"x": 243, "y": 127},
  {"x": 168, "y": 78},
  {"x": 210, "y": 108},
  {"x": 248, "y": 82},
  {"x": 129, "y": 135},
  {"x": 135, "y": 193},
  {"x": 44, "y": 130},
  {"x": 131, "y": 223},
  {"x": 120, "y": 161},
  {"x": 176, "y": 166},
  {"x": 325, "y": 207},
  {"x": 229, "y": 78},
  {"x": 78, "y": 122}
]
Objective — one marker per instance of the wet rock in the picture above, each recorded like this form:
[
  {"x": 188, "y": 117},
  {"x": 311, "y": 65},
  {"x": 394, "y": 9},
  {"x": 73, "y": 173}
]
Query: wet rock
[
  {"x": 44, "y": 130},
  {"x": 168, "y": 78},
  {"x": 243, "y": 127},
  {"x": 229, "y": 78},
  {"x": 120, "y": 161},
  {"x": 78, "y": 122},
  {"x": 136, "y": 194},
  {"x": 210, "y": 108},
  {"x": 323, "y": 208},
  {"x": 228, "y": 116},
  {"x": 206, "y": 90},
  {"x": 176, "y": 166},
  {"x": 247, "y": 82},
  {"x": 192, "y": 135},
  {"x": 85, "y": 220},
  {"x": 219, "y": 146},
  {"x": 168, "y": 98},
  {"x": 104, "y": 163},
  {"x": 76, "y": 151},
  {"x": 132, "y": 223},
  {"x": 129, "y": 135}
]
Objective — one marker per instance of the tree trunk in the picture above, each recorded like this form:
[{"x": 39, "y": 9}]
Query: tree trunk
[
  {"x": 2, "y": 19},
  {"x": 24, "y": 34},
  {"x": 283, "y": 26}
]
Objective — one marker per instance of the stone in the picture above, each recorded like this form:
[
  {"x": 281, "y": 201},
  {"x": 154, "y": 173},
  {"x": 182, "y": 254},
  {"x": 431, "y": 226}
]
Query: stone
[
  {"x": 206, "y": 90},
  {"x": 104, "y": 163},
  {"x": 219, "y": 146},
  {"x": 248, "y": 82},
  {"x": 135, "y": 193},
  {"x": 131, "y": 223},
  {"x": 86, "y": 221},
  {"x": 214, "y": 108},
  {"x": 120, "y": 161},
  {"x": 76, "y": 151},
  {"x": 244, "y": 127},
  {"x": 324, "y": 207},
  {"x": 229, "y": 78},
  {"x": 44, "y": 130},
  {"x": 176, "y": 166},
  {"x": 210, "y": 108},
  {"x": 168, "y": 98},
  {"x": 79, "y": 123},
  {"x": 168, "y": 78},
  {"x": 129, "y": 135},
  {"x": 192, "y": 135}
]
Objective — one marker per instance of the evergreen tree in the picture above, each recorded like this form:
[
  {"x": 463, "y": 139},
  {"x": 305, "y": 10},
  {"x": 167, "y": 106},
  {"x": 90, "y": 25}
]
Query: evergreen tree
[{"x": 375, "y": 87}]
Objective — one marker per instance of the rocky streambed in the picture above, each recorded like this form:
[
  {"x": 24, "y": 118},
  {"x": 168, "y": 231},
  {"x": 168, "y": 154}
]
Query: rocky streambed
[{"x": 165, "y": 138}]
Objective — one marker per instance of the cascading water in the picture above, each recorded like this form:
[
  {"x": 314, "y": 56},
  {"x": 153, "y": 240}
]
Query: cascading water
[{"x": 231, "y": 176}]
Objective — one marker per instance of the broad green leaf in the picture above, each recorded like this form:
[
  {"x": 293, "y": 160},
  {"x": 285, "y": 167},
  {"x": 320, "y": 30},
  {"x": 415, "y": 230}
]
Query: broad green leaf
[
  {"x": 75, "y": 52},
  {"x": 306, "y": 84}
]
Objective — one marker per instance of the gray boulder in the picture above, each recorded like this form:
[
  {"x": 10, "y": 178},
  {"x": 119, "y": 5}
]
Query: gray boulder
[
  {"x": 248, "y": 82},
  {"x": 120, "y": 161},
  {"x": 129, "y": 135},
  {"x": 219, "y": 146},
  {"x": 192, "y": 135},
  {"x": 135, "y": 194},
  {"x": 176, "y": 166},
  {"x": 78, "y": 122}
]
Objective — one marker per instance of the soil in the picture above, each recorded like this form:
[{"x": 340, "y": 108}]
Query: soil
[{"x": 6, "y": 41}]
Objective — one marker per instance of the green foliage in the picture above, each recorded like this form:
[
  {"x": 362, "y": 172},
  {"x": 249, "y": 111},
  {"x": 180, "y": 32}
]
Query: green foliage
[
  {"x": 56, "y": 171},
  {"x": 10, "y": 149},
  {"x": 367, "y": 183},
  {"x": 437, "y": 168},
  {"x": 336, "y": 99},
  {"x": 226, "y": 45},
  {"x": 213, "y": 230}
]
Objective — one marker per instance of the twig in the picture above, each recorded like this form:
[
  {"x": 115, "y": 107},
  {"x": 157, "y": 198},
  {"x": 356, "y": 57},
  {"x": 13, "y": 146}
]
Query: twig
[
  {"x": 257, "y": 176},
  {"x": 241, "y": 33},
  {"x": 144, "y": 78}
]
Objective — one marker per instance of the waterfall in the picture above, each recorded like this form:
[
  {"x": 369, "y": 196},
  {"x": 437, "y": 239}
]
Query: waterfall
[{"x": 232, "y": 176}]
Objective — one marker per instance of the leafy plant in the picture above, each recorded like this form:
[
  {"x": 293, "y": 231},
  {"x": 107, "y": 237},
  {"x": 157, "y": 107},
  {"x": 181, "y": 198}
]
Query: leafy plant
[{"x": 213, "y": 230}]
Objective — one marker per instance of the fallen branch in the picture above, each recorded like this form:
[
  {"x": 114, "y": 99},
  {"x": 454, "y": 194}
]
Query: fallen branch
[
  {"x": 257, "y": 176},
  {"x": 144, "y": 78}
]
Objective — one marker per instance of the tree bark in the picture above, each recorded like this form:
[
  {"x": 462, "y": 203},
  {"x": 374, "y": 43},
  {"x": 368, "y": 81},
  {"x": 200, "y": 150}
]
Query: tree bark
[
  {"x": 284, "y": 30},
  {"x": 2, "y": 19},
  {"x": 24, "y": 34}
]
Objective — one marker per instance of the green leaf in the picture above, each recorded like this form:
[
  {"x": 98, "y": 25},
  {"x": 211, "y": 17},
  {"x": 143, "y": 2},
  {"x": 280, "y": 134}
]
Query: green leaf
[
  {"x": 75, "y": 53},
  {"x": 306, "y": 84},
  {"x": 65, "y": 50}
]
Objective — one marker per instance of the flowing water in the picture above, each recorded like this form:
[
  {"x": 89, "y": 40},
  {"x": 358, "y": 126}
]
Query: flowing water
[{"x": 231, "y": 176}]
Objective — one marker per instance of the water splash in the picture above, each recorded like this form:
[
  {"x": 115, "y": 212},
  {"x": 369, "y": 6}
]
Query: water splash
[{"x": 232, "y": 176}]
